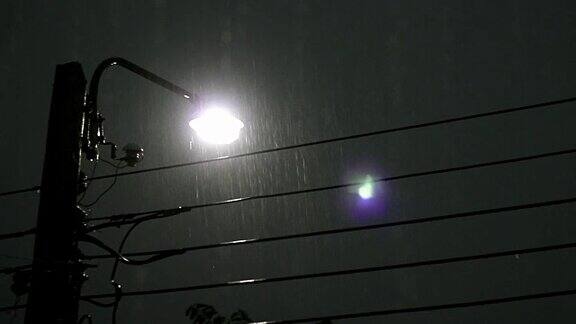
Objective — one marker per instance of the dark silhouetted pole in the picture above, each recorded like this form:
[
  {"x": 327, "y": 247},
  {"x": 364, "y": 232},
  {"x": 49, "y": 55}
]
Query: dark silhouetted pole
[{"x": 56, "y": 274}]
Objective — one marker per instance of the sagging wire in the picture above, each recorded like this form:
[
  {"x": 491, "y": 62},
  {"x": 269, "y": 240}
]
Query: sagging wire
[
  {"x": 117, "y": 167},
  {"x": 117, "y": 287},
  {"x": 88, "y": 182},
  {"x": 330, "y": 140},
  {"x": 420, "y": 220},
  {"x": 133, "y": 218},
  {"x": 92, "y": 240},
  {"x": 8, "y": 236},
  {"x": 117, "y": 296},
  {"x": 117, "y": 254},
  {"x": 126, "y": 219},
  {"x": 256, "y": 240},
  {"x": 346, "y": 272},
  {"x": 428, "y": 308},
  {"x": 450, "y": 120}
]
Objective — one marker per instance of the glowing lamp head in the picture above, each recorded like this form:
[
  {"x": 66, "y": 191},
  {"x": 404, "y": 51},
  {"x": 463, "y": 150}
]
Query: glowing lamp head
[
  {"x": 366, "y": 190},
  {"x": 217, "y": 126}
]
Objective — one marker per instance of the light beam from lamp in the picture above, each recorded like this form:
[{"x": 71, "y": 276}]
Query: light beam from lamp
[{"x": 217, "y": 126}]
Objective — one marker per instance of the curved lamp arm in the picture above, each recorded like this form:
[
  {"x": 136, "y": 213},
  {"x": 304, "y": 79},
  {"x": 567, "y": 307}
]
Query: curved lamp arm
[{"x": 92, "y": 133}]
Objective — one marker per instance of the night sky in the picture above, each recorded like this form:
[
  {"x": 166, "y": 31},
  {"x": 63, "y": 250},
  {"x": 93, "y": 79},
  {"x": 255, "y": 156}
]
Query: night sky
[{"x": 297, "y": 71}]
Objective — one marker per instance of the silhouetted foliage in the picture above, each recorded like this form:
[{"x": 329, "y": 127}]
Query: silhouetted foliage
[{"x": 206, "y": 314}]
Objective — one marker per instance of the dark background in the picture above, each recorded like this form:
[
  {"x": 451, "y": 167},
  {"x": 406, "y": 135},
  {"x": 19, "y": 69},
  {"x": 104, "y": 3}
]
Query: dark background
[{"x": 298, "y": 71}]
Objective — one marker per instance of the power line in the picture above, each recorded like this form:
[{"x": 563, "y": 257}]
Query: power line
[
  {"x": 257, "y": 281},
  {"x": 350, "y": 137},
  {"x": 95, "y": 201},
  {"x": 119, "y": 256},
  {"x": 124, "y": 219},
  {"x": 476, "y": 303},
  {"x": 19, "y": 191},
  {"x": 326, "y": 141},
  {"x": 249, "y": 241},
  {"x": 17, "y": 234}
]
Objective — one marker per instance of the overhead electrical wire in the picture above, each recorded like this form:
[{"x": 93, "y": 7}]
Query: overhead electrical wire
[
  {"x": 117, "y": 287},
  {"x": 417, "y": 309},
  {"x": 122, "y": 258},
  {"x": 326, "y": 141},
  {"x": 258, "y": 281},
  {"x": 12, "y": 235},
  {"x": 421, "y": 220},
  {"x": 429, "y": 308},
  {"x": 130, "y": 218},
  {"x": 161, "y": 254},
  {"x": 119, "y": 257},
  {"x": 19, "y": 191},
  {"x": 33, "y": 230},
  {"x": 117, "y": 167},
  {"x": 350, "y": 137},
  {"x": 157, "y": 255}
]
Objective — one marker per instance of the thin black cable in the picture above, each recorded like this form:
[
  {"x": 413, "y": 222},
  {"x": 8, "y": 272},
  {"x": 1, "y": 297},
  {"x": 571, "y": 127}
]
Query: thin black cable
[
  {"x": 92, "y": 173},
  {"x": 326, "y": 141},
  {"x": 99, "y": 304},
  {"x": 97, "y": 242},
  {"x": 422, "y": 220},
  {"x": 118, "y": 167},
  {"x": 118, "y": 287},
  {"x": 11, "y": 270},
  {"x": 117, "y": 297},
  {"x": 257, "y": 281},
  {"x": 483, "y": 302},
  {"x": 120, "y": 248},
  {"x": 350, "y": 137},
  {"x": 125, "y": 219},
  {"x": 115, "y": 304},
  {"x": 19, "y": 191},
  {"x": 12, "y": 235},
  {"x": 123, "y": 259},
  {"x": 475, "y": 303}
]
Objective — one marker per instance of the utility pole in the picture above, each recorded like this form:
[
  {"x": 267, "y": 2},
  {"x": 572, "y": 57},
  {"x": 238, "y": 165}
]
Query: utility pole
[{"x": 56, "y": 273}]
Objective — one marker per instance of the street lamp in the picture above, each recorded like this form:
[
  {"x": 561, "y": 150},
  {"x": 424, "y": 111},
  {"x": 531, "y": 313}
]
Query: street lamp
[
  {"x": 214, "y": 125},
  {"x": 217, "y": 126},
  {"x": 57, "y": 271}
]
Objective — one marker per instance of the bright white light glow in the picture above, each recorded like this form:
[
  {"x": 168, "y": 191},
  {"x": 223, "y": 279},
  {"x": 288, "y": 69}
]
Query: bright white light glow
[
  {"x": 217, "y": 126},
  {"x": 366, "y": 190}
]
